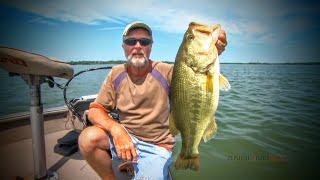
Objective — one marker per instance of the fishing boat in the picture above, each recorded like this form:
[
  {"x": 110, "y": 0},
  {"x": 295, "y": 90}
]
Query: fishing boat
[{"x": 34, "y": 145}]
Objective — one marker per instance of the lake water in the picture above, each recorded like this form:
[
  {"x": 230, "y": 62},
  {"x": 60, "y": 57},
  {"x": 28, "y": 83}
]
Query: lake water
[{"x": 268, "y": 123}]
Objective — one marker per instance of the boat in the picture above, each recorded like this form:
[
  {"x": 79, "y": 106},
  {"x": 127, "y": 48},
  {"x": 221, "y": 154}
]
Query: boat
[{"x": 29, "y": 144}]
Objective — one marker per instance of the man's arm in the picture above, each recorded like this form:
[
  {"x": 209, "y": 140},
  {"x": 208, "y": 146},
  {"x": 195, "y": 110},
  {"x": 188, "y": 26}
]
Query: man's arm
[{"x": 99, "y": 117}]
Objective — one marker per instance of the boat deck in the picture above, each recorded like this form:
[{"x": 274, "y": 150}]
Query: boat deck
[
  {"x": 16, "y": 148},
  {"x": 17, "y": 158}
]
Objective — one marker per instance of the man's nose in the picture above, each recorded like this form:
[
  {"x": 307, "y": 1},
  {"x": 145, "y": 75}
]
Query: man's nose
[{"x": 137, "y": 45}]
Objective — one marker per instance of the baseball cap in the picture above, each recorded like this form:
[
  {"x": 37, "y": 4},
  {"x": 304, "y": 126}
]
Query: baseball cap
[{"x": 136, "y": 24}]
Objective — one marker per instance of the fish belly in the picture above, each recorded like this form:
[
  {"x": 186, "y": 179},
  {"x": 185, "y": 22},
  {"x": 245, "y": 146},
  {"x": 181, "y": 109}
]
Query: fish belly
[{"x": 193, "y": 108}]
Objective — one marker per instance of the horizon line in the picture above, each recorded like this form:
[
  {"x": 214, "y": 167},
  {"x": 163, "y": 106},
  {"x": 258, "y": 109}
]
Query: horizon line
[{"x": 171, "y": 62}]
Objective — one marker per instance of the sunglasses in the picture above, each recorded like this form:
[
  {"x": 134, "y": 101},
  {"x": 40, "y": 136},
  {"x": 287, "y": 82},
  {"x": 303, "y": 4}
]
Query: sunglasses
[{"x": 133, "y": 41}]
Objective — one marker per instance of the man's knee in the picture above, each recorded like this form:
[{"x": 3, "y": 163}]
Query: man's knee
[{"x": 91, "y": 138}]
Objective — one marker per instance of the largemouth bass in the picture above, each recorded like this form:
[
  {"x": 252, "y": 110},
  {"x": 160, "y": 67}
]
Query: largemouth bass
[{"x": 194, "y": 92}]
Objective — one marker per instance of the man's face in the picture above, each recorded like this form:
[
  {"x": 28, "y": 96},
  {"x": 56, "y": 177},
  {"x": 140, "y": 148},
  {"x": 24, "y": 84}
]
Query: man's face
[{"x": 137, "y": 55}]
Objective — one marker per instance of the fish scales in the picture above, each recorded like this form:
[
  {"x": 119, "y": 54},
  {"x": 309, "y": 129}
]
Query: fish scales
[{"x": 195, "y": 91}]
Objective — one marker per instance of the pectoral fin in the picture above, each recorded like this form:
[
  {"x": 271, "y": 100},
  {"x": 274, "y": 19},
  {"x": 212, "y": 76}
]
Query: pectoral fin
[
  {"x": 210, "y": 131},
  {"x": 173, "y": 129},
  {"x": 209, "y": 83},
  {"x": 224, "y": 83}
]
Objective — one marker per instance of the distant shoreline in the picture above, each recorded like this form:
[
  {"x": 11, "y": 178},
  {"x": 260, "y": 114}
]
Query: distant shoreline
[
  {"x": 96, "y": 62},
  {"x": 298, "y": 63},
  {"x": 123, "y": 61},
  {"x": 103, "y": 62}
]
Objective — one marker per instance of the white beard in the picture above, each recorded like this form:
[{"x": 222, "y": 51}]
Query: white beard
[{"x": 137, "y": 61}]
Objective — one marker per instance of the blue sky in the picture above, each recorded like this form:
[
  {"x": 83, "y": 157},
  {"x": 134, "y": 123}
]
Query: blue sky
[{"x": 258, "y": 31}]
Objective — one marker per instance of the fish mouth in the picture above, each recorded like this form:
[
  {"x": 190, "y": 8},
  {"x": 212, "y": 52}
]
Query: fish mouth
[
  {"x": 206, "y": 35},
  {"x": 202, "y": 28}
]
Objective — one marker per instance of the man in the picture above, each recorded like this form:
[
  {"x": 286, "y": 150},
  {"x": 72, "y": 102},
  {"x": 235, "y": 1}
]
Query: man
[{"x": 139, "y": 90}]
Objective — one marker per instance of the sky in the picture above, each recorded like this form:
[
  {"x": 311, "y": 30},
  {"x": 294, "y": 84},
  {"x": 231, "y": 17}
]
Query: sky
[{"x": 270, "y": 31}]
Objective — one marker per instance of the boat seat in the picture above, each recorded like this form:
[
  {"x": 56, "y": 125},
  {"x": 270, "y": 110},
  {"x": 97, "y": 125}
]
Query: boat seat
[
  {"x": 22, "y": 62},
  {"x": 81, "y": 106}
]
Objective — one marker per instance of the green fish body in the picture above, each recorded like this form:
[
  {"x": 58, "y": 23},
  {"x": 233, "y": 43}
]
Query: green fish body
[{"x": 194, "y": 91}]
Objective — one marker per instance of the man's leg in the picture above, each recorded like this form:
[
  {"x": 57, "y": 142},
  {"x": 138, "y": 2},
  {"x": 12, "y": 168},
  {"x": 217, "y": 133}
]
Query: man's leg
[
  {"x": 94, "y": 144},
  {"x": 154, "y": 162}
]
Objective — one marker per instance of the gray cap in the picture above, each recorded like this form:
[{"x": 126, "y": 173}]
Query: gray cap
[{"x": 136, "y": 24}]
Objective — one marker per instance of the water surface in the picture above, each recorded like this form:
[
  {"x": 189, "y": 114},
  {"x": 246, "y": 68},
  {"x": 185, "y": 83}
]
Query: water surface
[{"x": 268, "y": 122}]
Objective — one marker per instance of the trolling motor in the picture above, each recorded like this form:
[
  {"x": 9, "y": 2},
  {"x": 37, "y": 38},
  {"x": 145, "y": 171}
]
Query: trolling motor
[{"x": 35, "y": 69}]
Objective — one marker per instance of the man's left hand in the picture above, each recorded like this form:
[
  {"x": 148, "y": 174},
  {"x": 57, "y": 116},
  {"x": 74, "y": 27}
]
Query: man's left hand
[{"x": 222, "y": 41}]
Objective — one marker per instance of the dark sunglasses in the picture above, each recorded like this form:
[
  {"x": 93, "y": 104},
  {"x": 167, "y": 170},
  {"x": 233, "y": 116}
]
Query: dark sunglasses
[{"x": 133, "y": 41}]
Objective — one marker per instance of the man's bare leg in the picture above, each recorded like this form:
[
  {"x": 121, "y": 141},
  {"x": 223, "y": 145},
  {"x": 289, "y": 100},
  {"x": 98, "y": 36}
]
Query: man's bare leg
[{"x": 94, "y": 144}]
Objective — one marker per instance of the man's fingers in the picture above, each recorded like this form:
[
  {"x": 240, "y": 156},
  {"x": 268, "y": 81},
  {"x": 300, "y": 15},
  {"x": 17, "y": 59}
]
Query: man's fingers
[
  {"x": 222, "y": 41},
  {"x": 128, "y": 155},
  {"x": 125, "y": 147},
  {"x": 220, "y": 46},
  {"x": 123, "y": 154},
  {"x": 223, "y": 36},
  {"x": 134, "y": 153},
  {"x": 127, "y": 152},
  {"x": 220, "y": 51}
]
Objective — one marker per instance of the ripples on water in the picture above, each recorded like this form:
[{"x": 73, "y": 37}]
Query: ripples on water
[
  {"x": 268, "y": 125},
  {"x": 268, "y": 122}
]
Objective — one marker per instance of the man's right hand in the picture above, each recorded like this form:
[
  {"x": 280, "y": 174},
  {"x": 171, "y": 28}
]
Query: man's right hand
[{"x": 125, "y": 148}]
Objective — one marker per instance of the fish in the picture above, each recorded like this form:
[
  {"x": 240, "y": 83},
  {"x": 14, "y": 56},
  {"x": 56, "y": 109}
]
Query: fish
[{"x": 194, "y": 91}]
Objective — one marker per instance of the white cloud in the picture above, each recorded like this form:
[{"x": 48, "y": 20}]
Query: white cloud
[
  {"x": 110, "y": 28},
  {"x": 41, "y": 20},
  {"x": 252, "y": 20},
  {"x": 170, "y": 17}
]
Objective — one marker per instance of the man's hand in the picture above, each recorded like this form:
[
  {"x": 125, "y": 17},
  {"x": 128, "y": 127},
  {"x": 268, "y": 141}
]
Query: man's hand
[
  {"x": 222, "y": 41},
  {"x": 125, "y": 148}
]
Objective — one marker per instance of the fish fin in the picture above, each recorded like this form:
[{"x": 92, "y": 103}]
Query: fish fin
[
  {"x": 209, "y": 85},
  {"x": 210, "y": 131},
  {"x": 224, "y": 83},
  {"x": 173, "y": 129},
  {"x": 187, "y": 163}
]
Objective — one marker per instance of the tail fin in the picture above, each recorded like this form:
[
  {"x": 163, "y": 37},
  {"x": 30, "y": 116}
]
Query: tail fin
[{"x": 188, "y": 163}]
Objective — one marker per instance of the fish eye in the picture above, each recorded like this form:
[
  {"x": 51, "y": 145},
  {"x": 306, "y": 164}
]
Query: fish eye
[{"x": 190, "y": 36}]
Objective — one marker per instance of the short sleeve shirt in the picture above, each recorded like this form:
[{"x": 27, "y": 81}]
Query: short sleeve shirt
[{"x": 143, "y": 106}]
